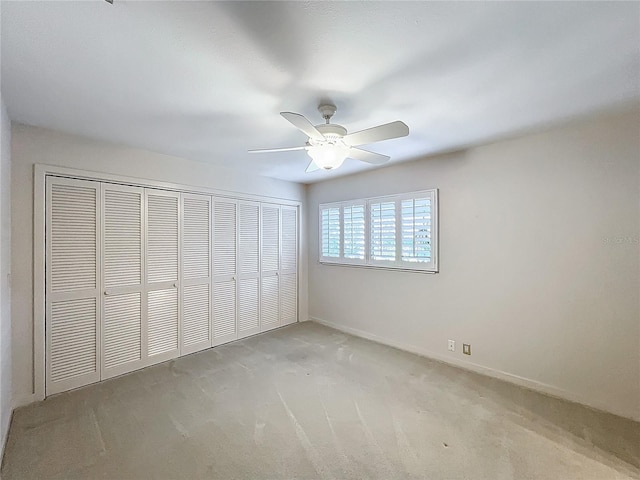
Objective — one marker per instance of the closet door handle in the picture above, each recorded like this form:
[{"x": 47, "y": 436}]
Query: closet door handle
[
  {"x": 107, "y": 292},
  {"x": 175, "y": 285}
]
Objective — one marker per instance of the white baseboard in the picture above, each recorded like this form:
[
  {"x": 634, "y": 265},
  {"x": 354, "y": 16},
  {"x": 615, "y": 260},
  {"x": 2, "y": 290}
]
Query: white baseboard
[{"x": 474, "y": 367}]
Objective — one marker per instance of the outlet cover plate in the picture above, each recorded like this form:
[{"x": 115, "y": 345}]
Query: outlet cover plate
[
  {"x": 466, "y": 349},
  {"x": 452, "y": 345}
]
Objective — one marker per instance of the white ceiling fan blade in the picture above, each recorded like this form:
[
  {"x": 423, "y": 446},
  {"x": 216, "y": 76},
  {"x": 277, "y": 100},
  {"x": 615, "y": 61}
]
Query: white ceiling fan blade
[
  {"x": 269, "y": 150},
  {"x": 377, "y": 134},
  {"x": 312, "y": 167},
  {"x": 304, "y": 125},
  {"x": 367, "y": 156}
]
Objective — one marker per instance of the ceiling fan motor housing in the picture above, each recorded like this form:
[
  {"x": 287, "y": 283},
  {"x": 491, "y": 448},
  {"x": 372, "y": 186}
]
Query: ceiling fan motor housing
[{"x": 332, "y": 131}]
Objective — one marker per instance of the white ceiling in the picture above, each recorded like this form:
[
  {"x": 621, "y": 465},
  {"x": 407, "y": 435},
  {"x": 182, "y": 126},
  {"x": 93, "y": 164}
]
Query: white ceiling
[{"x": 206, "y": 80}]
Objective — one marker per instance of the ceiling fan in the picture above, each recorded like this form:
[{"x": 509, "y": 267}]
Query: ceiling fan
[{"x": 329, "y": 144}]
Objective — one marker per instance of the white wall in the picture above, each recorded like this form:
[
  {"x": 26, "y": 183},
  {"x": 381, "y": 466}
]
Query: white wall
[
  {"x": 539, "y": 262},
  {"x": 5, "y": 275},
  {"x": 31, "y": 145}
]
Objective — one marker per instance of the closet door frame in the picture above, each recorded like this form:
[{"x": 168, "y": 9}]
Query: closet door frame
[{"x": 40, "y": 173}]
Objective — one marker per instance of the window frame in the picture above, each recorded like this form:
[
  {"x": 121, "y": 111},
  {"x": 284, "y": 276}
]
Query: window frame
[{"x": 368, "y": 262}]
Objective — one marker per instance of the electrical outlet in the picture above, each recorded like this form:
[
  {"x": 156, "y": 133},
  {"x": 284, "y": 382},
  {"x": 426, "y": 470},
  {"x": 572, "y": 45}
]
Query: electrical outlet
[
  {"x": 452, "y": 345},
  {"x": 466, "y": 349}
]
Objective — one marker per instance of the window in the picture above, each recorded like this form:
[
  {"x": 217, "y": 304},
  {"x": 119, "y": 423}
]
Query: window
[{"x": 398, "y": 231}]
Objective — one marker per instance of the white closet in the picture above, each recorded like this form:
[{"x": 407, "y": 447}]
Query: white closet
[{"x": 137, "y": 276}]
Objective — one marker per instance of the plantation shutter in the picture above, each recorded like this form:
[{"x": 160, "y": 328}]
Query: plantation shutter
[
  {"x": 416, "y": 230},
  {"x": 123, "y": 279},
  {"x": 289, "y": 266},
  {"x": 383, "y": 231},
  {"x": 162, "y": 257},
  {"x": 354, "y": 232},
  {"x": 249, "y": 269},
  {"x": 72, "y": 296},
  {"x": 330, "y": 233},
  {"x": 270, "y": 285},
  {"x": 224, "y": 270},
  {"x": 196, "y": 280}
]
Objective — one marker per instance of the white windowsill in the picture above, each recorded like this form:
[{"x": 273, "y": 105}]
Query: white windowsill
[{"x": 378, "y": 267}]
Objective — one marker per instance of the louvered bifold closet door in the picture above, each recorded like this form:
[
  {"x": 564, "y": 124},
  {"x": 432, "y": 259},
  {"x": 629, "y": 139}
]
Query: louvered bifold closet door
[
  {"x": 248, "y": 269},
  {"x": 123, "y": 273},
  {"x": 72, "y": 284},
  {"x": 289, "y": 265},
  {"x": 225, "y": 256},
  {"x": 270, "y": 267},
  {"x": 196, "y": 273},
  {"x": 162, "y": 257}
]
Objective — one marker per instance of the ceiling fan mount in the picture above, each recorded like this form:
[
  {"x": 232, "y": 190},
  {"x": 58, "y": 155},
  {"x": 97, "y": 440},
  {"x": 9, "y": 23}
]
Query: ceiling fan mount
[
  {"x": 327, "y": 111},
  {"x": 329, "y": 144}
]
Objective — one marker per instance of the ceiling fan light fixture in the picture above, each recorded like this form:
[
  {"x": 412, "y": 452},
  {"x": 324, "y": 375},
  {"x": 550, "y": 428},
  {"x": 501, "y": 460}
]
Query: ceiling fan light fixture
[{"x": 328, "y": 156}]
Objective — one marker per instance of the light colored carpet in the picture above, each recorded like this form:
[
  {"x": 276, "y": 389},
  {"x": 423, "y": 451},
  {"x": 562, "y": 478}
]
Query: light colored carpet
[{"x": 301, "y": 402}]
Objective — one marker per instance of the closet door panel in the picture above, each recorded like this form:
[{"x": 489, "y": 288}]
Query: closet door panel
[
  {"x": 224, "y": 311},
  {"x": 162, "y": 264},
  {"x": 196, "y": 318},
  {"x": 288, "y": 298},
  {"x": 122, "y": 333},
  {"x": 289, "y": 265},
  {"x": 224, "y": 294},
  {"x": 269, "y": 303},
  {"x": 162, "y": 236},
  {"x": 249, "y": 269},
  {"x": 270, "y": 226},
  {"x": 270, "y": 266},
  {"x": 224, "y": 237},
  {"x": 289, "y": 254},
  {"x": 248, "y": 306},
  {"x": 196, "y": 273},
  {"x": 122, "y": 236},
  {"x": 196, "y": 233},
  {"x": 163, "y": 322},
  {"x": 72, "y": 276},
  {"x": 73, "y": 344},
  {"x": 124, "y": 308}
]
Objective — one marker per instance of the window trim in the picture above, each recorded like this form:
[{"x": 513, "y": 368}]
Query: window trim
[{"x": 367, "y": 262}]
